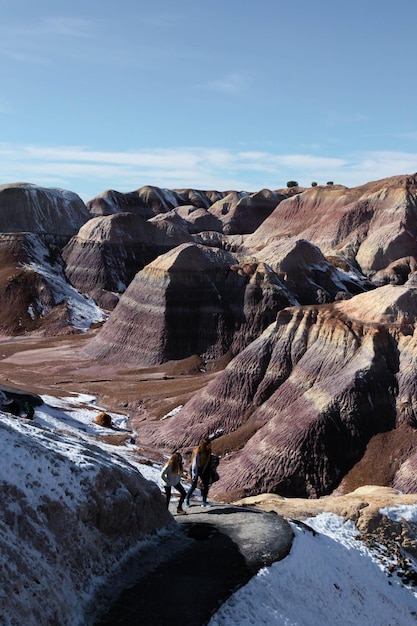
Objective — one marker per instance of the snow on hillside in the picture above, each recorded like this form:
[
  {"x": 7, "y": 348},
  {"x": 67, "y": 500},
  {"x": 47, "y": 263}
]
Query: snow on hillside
[
  {"x": 330, "y": 578},
  {"x": 82, "y": 309},
  {"x": 72, "y": 511}
]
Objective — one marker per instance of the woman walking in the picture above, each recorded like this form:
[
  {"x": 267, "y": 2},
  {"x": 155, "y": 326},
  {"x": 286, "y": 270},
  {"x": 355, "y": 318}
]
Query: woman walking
[
  {"x": 200, "y": 468},
  {"x": 171, "y": 477}
]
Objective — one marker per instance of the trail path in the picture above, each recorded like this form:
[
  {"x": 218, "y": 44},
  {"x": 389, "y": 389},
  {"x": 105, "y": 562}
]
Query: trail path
[{"x": 221, "y": 548}]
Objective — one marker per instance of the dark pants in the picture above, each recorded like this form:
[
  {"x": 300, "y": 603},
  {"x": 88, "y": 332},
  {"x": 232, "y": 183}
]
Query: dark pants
[
  {"x": 180, "y": 490},
  {"x": 205, "y": 484}
]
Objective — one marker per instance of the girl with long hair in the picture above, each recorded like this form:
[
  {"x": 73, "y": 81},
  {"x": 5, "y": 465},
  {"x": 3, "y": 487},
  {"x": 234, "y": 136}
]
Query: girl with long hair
[{"x": 171, "y": 477}]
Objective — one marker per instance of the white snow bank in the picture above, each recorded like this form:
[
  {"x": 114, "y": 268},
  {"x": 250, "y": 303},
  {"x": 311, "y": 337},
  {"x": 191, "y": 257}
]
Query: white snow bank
[
  {"x": 328, "y": 579},
  {"x": 398, "y": 513}
]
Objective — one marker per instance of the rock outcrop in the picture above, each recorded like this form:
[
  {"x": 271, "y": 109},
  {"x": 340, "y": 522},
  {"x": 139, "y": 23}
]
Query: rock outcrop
[
  {"x": 149, "y": 201},
  {"x": 228, "y": 212},
  {"x": 192, "y": 219},
  {"x": 242, "y": 212},
  {"x": 34, "y": 293},
  {"x": 308, "y": 275}
]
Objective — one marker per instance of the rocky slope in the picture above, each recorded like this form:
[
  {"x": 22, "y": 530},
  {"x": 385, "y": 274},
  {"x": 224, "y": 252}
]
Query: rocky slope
[
  {"x": 304, "y": 308},
  {"x": 313, "y": 389},
  {"x": 71, "y": 513},
  {"x": 34, "y": 293}
]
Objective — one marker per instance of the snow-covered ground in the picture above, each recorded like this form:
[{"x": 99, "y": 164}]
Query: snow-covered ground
[{"x": 330, "y": 578}]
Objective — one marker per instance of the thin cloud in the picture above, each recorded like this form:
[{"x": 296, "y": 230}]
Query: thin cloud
[
  {"x": 65, "y": 26},
  {"x": 31, "y": 42},
  {"x": 89, "y": 172},
  {"x": 231, "y": 84}
]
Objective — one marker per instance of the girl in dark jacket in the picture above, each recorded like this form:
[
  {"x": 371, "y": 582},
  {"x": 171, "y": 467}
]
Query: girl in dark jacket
[{"x": 200, "y": 468}]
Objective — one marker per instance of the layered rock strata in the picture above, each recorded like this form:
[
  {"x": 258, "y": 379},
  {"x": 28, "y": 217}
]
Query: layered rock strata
[
  {"x": 304, "y": 399},
  {"x": 371, "y": 225},
  {"x": 192, "y": 300},
  {"x": 148, "y": 201}
]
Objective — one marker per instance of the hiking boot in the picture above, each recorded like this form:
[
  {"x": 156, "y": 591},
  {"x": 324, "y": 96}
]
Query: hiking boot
[{"x": 181, "y": 512}]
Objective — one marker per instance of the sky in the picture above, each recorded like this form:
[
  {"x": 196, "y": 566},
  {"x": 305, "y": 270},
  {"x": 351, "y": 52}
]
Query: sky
[
  {"x": 98, "y": 95},
  {"x": 328, "y": 578}
]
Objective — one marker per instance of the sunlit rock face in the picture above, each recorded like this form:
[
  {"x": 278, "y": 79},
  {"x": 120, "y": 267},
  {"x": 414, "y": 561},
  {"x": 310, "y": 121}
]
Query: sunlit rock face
[
  {"x": 108, "y": 251},
  {"x": 29, "y": 208},
  {"x": 398, "y": 272},
  {"x": 304, "y": 399},
  {"x": 373, "y": 224},
  {"x": 192, "y": 300}
]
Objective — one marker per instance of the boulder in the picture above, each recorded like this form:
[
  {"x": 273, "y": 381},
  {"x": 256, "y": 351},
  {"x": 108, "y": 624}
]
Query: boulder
[{"x": 104, "y": 419}]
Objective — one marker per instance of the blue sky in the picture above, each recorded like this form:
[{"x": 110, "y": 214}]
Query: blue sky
[{"x": 227, "y": 94}]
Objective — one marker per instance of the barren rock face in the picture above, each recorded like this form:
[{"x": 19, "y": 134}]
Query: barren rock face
[
  {"x": 396, "y": 273},
  {"x": 373, "y": 224},
  {"x": 192, "y": 300},
  {"x": 108, "y": 251},
  {"x": 192, "y": 219},
  {"x": 228, "y": 212},
  {"x": 29, "y": 208},
  {"x": 312, "y": 390}
]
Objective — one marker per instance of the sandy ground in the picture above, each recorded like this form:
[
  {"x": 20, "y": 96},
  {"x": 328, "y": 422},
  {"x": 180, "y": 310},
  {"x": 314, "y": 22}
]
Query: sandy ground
[{"x": 58, "y": 366}]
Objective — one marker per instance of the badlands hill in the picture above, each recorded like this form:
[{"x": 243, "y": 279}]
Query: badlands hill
[
  {"x": 280, "y": 322},
  {"x": 295, "y": 312}
]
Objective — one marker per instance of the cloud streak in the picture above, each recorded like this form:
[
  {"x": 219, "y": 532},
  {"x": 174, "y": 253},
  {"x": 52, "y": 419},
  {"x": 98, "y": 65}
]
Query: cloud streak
[
  {"x": 232, "y": 84},
  {"x": 88, "y": 172}
]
